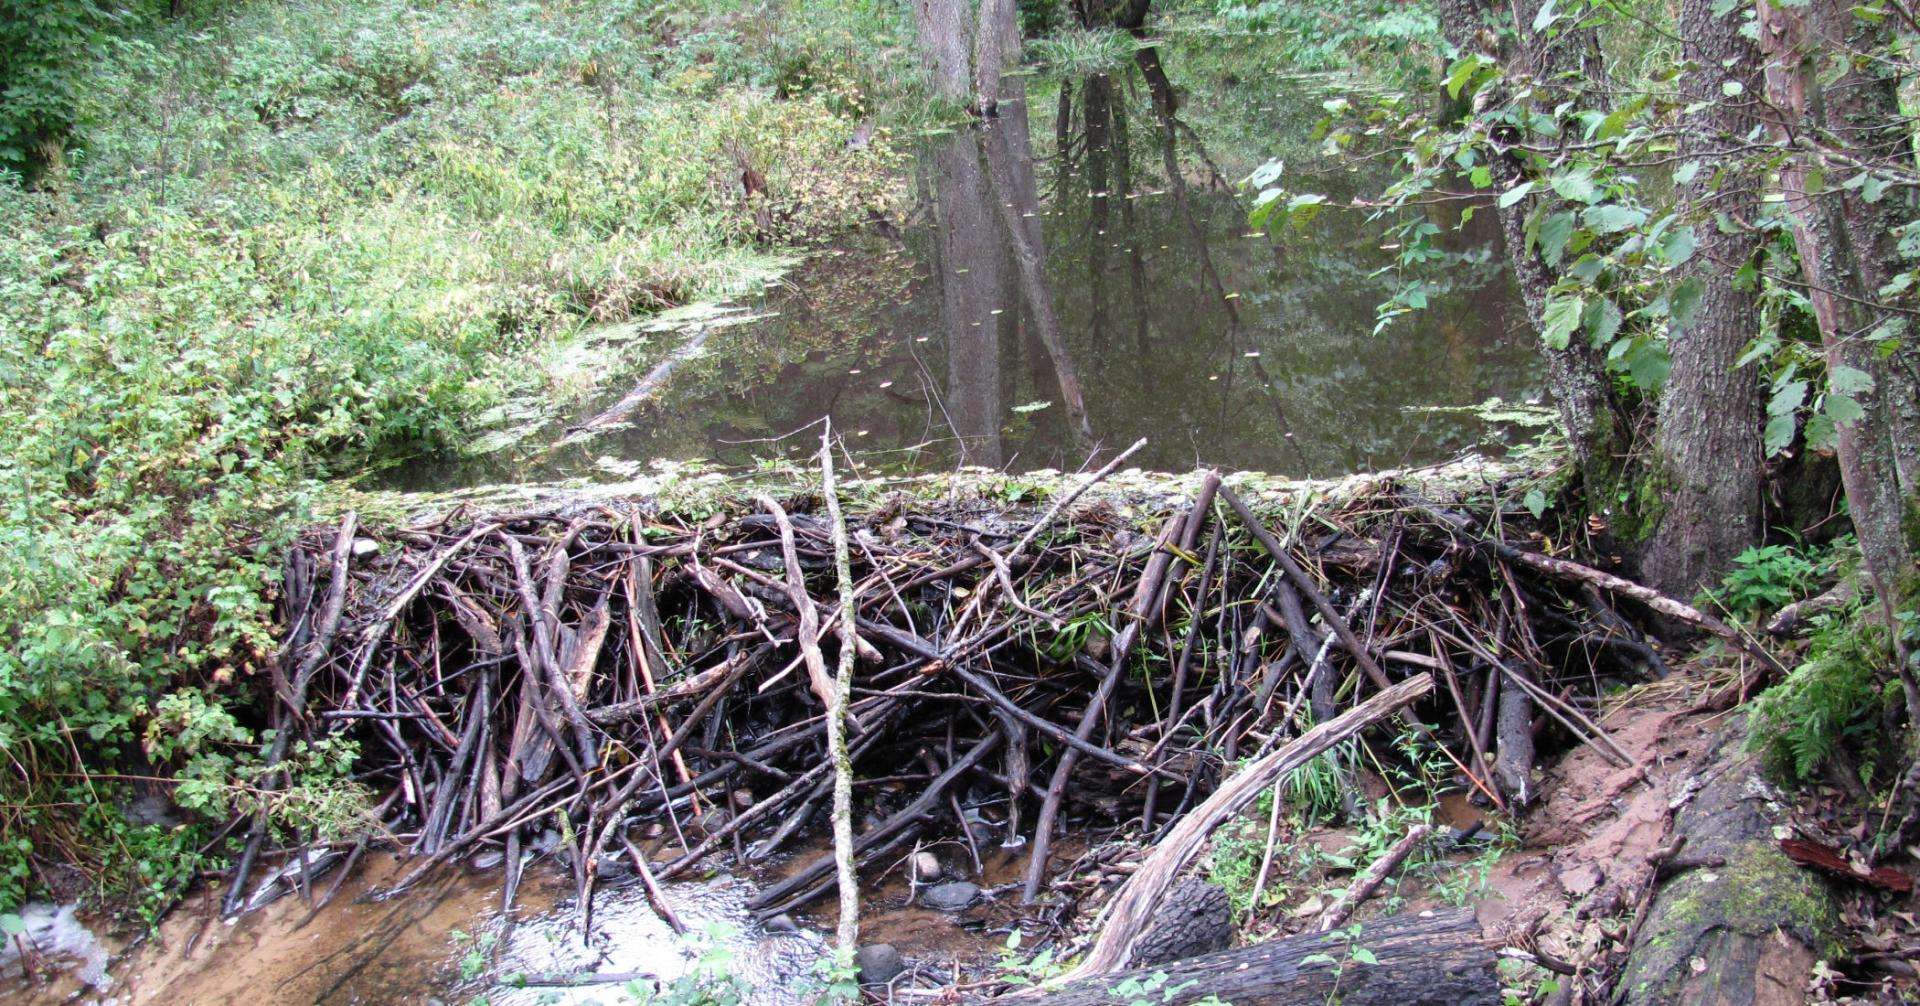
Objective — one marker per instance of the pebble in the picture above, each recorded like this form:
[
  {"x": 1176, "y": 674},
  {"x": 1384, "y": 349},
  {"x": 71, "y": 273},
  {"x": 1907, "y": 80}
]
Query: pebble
[
  {"x": 879, "y": 963},
  {"x": 926, "y": 867},
  {"x": 951, "y": 896},
  {"x": 487, "y": 859}
]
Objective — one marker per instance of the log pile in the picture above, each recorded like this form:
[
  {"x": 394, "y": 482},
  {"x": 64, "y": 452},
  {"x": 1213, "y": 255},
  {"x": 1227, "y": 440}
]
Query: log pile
[{"x": 508, "y": 673}]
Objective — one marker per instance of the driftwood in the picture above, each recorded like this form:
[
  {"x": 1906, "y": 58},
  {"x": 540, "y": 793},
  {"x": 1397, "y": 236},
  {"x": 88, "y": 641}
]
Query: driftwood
[{"x": 1431, "y": 959}]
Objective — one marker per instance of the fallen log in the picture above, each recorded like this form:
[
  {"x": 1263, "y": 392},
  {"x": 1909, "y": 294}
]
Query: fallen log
[{"x": 1433, "y": 958}]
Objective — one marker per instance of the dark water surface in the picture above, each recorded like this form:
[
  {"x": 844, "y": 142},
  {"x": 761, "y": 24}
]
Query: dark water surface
[{"x": 1072, "y": 276}]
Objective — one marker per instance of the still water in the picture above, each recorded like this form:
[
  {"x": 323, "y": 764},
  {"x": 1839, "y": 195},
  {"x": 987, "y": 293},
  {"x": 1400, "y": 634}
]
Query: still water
[{"x": 1071, "y": 276}]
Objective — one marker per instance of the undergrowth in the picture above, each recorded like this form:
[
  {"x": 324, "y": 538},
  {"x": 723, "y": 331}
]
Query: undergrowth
[{"x": 285, "y": 241}]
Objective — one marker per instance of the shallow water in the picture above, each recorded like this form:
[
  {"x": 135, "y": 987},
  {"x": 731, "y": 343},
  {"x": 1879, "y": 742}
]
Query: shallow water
[{"x": 1065, "y": 282}]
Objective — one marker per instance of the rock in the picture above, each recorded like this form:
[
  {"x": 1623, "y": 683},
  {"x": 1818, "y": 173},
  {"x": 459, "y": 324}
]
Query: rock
[
  {"x": 926, "y": 867},
  {"x": 878, "y": 963},
  {"x": 782, "y": 923},
  {"x": 487, "y": 859},
  {"x": 548, "y": 841},
  {"x": 951, "y": 896},
  {"x": 1195, "y": 919},
  {"x": 1736, "y": 921}
]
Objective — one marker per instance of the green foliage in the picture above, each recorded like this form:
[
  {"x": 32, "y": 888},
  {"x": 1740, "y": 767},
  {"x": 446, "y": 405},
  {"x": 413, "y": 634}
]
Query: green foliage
[
  {"x": 1832, "y": 702},
  {"x": 1156, "y": 990},
  {"x": 1077, "y": 52},
  {"x": 1765, "y": 577},
  {"x": 46, "y": 50},
  {"x": 1014, "y": 969},
  {"x": 313, "y": 237}
]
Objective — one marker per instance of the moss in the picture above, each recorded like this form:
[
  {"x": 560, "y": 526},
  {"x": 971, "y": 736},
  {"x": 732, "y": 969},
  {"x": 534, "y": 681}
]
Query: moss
[{"x": 1758, "y": 891}]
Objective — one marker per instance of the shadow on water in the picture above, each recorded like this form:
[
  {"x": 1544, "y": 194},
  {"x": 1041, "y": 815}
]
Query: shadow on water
[{"x": 1061, "y": 287}]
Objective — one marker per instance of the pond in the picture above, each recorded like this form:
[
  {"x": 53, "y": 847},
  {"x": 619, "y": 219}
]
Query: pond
[{"x": 1075, "y": 274}]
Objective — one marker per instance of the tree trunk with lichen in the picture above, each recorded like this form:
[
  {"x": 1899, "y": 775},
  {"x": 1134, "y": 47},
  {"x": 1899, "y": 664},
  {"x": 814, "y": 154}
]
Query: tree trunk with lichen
[{"x": 1841, "y": 236}]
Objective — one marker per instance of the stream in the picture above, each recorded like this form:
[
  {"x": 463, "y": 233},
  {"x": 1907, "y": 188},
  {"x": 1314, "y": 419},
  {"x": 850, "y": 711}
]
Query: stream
[{"x": 1078, "y": 273}]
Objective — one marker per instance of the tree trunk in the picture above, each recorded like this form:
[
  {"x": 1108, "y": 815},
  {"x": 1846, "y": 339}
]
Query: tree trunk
[
  {"x": 996, "y": 41},
  {"x": 1434, "y": 958},
  {"x": 972, "y": 298},
  {"x": 1707, "y": 451},
  {"x": 1576, "y": 374},
  {"x": 1017, "y": 197},
  {"x": 1833, "y": 229},
  {"x": 944, "y": 45}
]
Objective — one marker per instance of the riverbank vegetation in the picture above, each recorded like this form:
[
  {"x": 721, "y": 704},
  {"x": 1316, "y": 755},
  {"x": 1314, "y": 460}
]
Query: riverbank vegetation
[
  {"x": 1709, "y": 209},
  {"x": 252, "y": 245}
]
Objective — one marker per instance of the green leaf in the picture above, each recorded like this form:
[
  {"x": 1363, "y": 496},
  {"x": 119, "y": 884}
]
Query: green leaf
[
  {"x": 1685, "y": 302},
  {"x": 1364, "y": 956},
  {"x": 1546, "y": 17},
  {"x": 1515, "y": 194},
  {"x": 1536, "y": 503},
  {"x": 11, "y": 924},
  {"x": 1554, "y": 232},
  {"x": 1602, "y": 320},
  {"x": 1849, "y": 381},
  {"x": 1558, "y": 321},
  {"x": 1779, "y": 433},
  {"x": 1787, "y": 399},
  {"x": 1843, "y": 410},
  {"x": 1577, "y": 185},
  {"x": 1613, "y": 218},
  {"x": 1686, "y": 173},
  {"x": 1481, "y": 177}
]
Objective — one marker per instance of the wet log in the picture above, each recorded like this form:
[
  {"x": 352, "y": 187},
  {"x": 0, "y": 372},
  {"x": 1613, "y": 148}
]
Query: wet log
[{"x": 1432, "y": 958}]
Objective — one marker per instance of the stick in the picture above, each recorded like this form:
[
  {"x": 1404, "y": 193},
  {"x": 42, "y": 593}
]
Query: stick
[
  {"x": 1133, "y": 907},
  {"x": 1375, "y": 874},
  {"x": 847, "y": 933}
]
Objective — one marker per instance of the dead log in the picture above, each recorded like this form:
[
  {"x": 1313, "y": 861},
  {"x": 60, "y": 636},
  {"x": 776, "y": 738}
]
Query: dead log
[{"x": 1433, "y": 958}]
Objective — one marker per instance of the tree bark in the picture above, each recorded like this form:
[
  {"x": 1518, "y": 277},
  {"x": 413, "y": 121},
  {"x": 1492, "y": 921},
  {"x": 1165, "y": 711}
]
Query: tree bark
[
  {"x": 1834, "y": 230},
  {"x": 996, "y": 41},
  {"x": 944, "y": 44},
  {"x": 1433, "y": 958},
  {"x": 1707, "y": 450}
]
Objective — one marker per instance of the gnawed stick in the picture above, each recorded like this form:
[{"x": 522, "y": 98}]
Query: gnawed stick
[
  {"x": 1372, "y": 877},
  {"x": 1132, "y": 908}
]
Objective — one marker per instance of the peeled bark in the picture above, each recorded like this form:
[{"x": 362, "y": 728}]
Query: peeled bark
[{"x": 1707, "y": 449}]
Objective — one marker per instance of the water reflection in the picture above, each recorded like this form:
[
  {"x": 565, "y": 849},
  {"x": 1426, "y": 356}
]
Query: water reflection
[{"x": 1038, "y": 305}]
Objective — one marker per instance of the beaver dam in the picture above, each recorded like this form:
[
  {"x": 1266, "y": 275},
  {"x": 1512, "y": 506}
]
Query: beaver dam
[{"x": 1055, "y": 705}]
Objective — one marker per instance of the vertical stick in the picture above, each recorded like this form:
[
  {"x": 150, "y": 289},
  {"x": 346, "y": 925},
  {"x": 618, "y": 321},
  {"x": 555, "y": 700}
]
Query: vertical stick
[{"x": 848, "y": 932}]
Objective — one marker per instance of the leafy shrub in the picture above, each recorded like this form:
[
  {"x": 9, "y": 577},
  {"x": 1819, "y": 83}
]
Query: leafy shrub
[
  {"x": 1832, "y": 702},
  {"x": 1767, "y": 576}
]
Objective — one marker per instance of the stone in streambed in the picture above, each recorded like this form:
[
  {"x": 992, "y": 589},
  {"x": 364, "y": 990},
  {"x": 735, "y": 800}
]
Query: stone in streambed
[
  {"x": 951, "y": 896},
  {"x": 878, "y": 963},
  {"x": 926, "y": 868}
]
